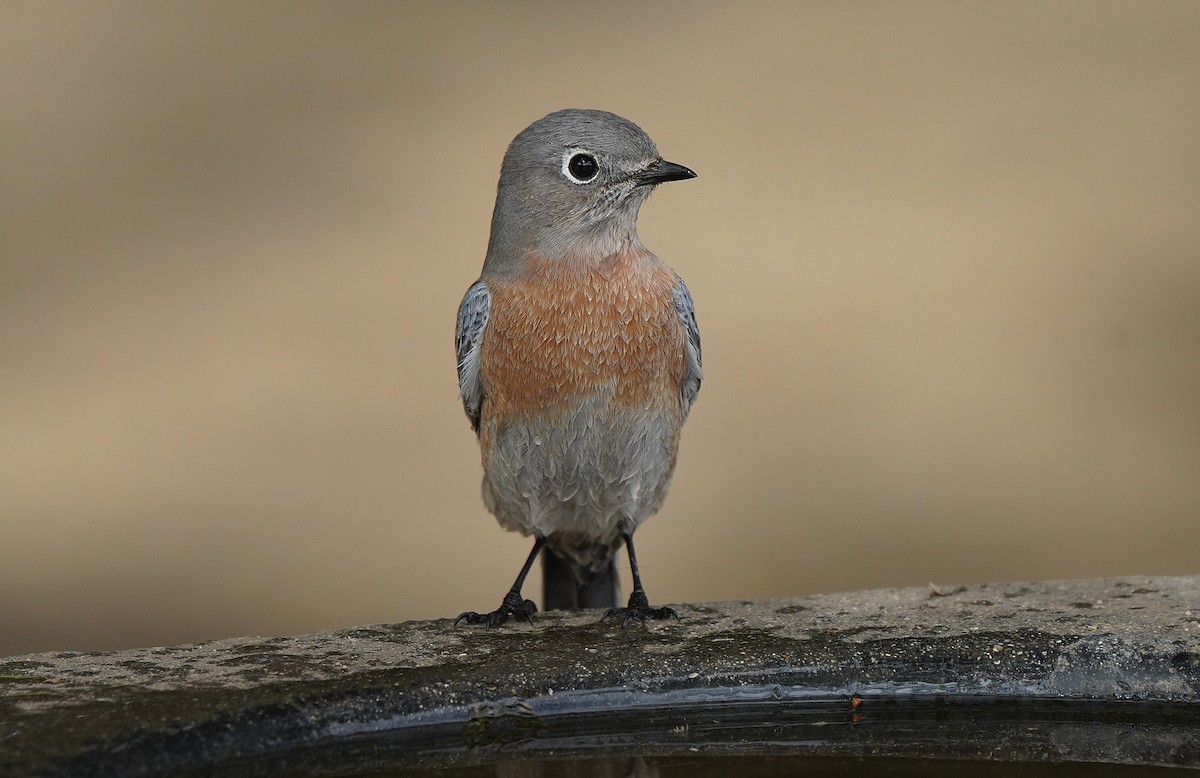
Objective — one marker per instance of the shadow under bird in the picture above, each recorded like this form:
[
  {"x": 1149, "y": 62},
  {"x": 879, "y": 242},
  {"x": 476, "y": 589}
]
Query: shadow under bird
[{"x": 578, "y": 359}]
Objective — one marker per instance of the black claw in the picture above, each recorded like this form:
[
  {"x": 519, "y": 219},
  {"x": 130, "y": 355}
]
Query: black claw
[
  {"x": 639, "y": 608},
  {"x": 512, "y": 605}
]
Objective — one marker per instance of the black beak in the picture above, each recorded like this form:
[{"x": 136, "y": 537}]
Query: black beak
[{"x": 662, "y": 171}]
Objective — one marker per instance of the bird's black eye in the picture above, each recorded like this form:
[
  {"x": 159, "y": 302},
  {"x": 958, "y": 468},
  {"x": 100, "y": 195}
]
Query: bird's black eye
[{"x": 582, "y": 167}]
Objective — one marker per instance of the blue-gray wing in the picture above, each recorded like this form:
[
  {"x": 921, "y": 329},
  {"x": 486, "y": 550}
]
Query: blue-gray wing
[
  {"x": 468, "y": 341},
  {"x": 693, "y": 372}
]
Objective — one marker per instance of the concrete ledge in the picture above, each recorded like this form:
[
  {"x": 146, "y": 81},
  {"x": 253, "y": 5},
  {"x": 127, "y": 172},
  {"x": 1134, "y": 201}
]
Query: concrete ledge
[{"x": 1099, "y": 671}]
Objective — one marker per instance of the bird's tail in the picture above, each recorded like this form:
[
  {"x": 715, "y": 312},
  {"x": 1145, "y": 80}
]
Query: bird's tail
[{"x": 568, "y": 585}]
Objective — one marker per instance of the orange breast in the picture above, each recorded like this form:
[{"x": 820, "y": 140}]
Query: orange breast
[{"x": 569, "y": 330}]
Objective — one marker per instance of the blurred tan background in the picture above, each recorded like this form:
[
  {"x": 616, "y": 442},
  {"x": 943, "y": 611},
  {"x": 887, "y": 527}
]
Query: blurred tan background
[{"x": 946, "y": 258}]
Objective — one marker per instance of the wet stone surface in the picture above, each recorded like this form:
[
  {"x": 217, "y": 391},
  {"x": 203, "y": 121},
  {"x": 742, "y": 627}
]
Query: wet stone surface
[{"x": 1119, "y": 642}]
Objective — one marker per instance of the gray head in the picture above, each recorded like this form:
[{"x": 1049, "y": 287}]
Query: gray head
[{"x": 574, "y": 181}]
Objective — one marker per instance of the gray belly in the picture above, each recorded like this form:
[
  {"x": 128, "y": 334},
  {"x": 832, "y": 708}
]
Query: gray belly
[{"x": 583, "y": 481}]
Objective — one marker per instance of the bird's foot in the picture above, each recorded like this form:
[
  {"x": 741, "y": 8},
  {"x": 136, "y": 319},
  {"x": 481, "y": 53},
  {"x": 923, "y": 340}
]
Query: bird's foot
[
  {"x": 513, "y": 605},
  {"x": 639, "y": 608}
]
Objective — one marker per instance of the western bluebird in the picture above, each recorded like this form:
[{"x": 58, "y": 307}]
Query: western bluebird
[{"x": 578, "y": 358}]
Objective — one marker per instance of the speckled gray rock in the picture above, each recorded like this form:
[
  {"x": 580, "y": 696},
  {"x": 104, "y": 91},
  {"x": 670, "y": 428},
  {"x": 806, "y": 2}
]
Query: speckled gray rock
[{"x": 1110, "y": 671}]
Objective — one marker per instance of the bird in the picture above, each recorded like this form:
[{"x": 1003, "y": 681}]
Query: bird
[{"x": 579, "y": 359}]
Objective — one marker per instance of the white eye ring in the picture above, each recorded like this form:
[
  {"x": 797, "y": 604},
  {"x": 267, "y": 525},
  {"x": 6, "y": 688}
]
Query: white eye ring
[{"x": 570, "y": 156}]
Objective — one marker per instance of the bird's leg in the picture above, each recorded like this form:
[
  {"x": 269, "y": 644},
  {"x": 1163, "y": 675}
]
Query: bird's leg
[
  {"x": 513, "y": 604},
  {"x": 639, "y": 606}
]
